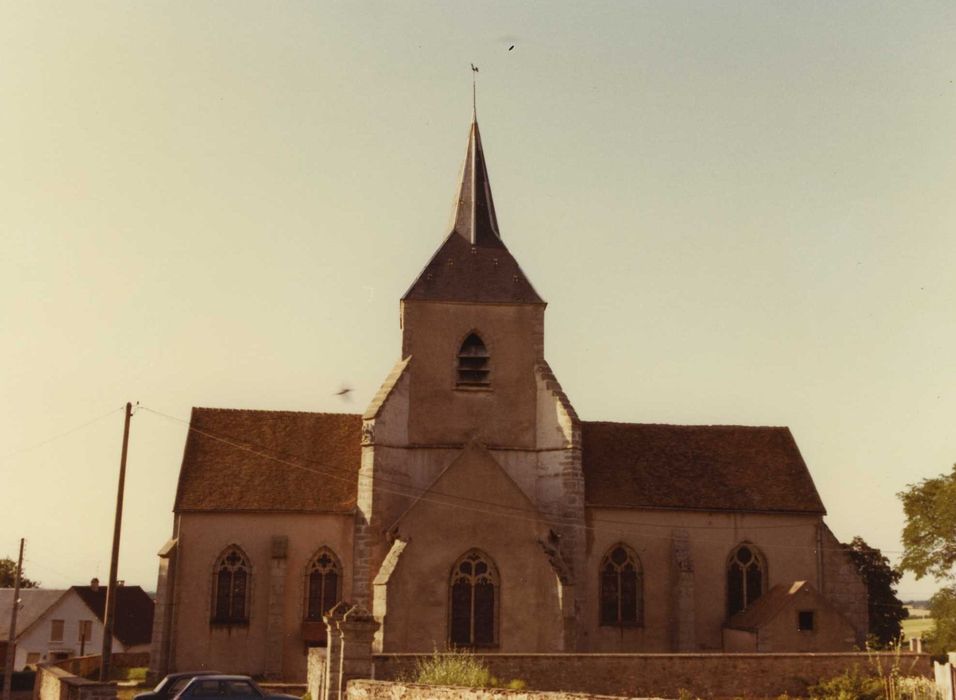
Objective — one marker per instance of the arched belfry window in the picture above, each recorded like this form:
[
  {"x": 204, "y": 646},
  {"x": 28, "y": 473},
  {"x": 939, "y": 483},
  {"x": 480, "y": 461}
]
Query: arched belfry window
[
  {"x": 746, "y": 577},
  {"x": 622, "y": 587},
  {"x": 474, "y": 601},
  {"x": 473, "y": 363},
  {"x": 231, "y": 580},
  {"x": 323, "y": 584}
]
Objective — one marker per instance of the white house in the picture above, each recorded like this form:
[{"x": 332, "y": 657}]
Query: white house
[{"x": 56, "y": 624}]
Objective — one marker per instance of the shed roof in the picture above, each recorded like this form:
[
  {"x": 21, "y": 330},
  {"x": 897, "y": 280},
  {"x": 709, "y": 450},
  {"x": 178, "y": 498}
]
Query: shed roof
[
  {"x": 243, "y": 460},
  {"x": 700, "y": 467}
]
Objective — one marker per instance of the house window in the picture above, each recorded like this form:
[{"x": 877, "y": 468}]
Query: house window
[
  {"x": 746, "y": 577},
  {"x": 323, "y": 584},
  {"x": 473, "y": 363},
  {"x": 231, "y": 588},
  {"x": 474, "y": 601},
  {"x": 56, "y": 630},
  {"x": 621, "y": 588},
  {"x": 85, "y": 632},
  {"x": 33, "y": 658},
  {"x": 805, "y": 621}
]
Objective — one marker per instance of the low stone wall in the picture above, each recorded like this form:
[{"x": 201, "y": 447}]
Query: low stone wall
[
  {"x": 54, "y": 683},
  {"x": 387, "y": 690},
  {"x": 88, "y": 666},
  {"x": 666, "y": 675}
]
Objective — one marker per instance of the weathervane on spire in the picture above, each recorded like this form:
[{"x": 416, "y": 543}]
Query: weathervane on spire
[{"x": 474, "y": 93}]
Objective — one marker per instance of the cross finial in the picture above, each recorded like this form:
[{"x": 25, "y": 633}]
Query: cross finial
[{"x": 474, "y": 93}]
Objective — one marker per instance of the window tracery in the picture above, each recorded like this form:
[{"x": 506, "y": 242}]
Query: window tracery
[
  {"x": 323, "y": 584},
  {"x": 622, "y": 587},
  {"x": 231, "y": 587},
  {"x": 474, "y": 601},
  {"x": 746, "y": 577}
]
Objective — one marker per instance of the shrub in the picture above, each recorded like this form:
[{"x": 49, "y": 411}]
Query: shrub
[
  {"x": 852, "y": 685},
  {"x": 849, "y": 685},
  {"x": 453, "y": 668}
]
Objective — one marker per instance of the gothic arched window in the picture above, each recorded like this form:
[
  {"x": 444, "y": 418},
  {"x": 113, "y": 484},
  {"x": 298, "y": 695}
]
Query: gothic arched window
[
  {"x": 323, "y": 584},
  {"x": 746, "y": 577},
  {"x": 231, "y": 580},
  {"x": 473, "y": 363},
  {"x": 621, "y": 587},
  {"x": 474, "y": 601}
]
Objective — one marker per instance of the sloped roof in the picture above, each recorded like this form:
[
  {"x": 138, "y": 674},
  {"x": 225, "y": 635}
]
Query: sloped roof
[
  {"x": 709, "y": 467},
  {"x": 33, "y": 603},
  {"x": 473, "y": 264},
  {"x": 242, "y": 460},
  {"x": 462, "y": 272},
  {"x": 134, "y": 612}
]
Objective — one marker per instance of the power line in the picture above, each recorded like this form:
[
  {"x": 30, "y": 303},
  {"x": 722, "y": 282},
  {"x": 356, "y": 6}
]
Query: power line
[
  {"x": 88, "y": 423},
  {"x": 479, "y": 505}
]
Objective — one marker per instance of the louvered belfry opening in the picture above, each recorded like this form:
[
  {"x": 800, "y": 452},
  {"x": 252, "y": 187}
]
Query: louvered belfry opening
[{"x": 474, "y": 363}]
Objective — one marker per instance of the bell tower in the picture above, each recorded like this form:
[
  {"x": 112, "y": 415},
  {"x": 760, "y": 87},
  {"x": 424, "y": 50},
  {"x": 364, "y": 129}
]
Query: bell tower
[{"x": 473, "y": 326}]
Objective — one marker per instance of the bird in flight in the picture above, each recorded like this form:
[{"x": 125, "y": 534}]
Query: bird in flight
[
  {"x": 474, "y": 67},
  {"x": 344, "y": 391},
  {"x": 511, "y": 47}
]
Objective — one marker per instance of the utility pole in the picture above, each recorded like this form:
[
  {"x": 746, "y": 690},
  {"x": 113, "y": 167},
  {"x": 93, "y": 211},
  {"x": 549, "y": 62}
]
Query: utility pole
[
  {"x": 12, "y": 639},
  {"x": 111, "y": 591}
]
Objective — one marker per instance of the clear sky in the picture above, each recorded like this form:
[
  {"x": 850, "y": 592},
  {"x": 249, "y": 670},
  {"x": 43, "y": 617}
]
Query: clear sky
[{"x": 739, "y": 213}]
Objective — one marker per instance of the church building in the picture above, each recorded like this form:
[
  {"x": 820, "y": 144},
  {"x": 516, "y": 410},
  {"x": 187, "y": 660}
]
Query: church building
[{"x": 470, "y": 506}]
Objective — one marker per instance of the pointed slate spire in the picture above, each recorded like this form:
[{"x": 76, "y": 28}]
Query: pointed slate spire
[
  {"x": 475, "y": 219},
  {"x": 473, "y": 265}
]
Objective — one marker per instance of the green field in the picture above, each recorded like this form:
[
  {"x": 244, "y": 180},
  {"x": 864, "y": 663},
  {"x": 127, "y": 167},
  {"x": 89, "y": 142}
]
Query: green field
[{"x": 917, "y": 627}]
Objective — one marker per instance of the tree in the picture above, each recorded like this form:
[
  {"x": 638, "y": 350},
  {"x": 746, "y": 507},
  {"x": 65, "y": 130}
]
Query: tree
[
  {"x": 884, "y": 608},
  {"x": 942, "y": 608},
  {"x": 929, "y": 537},
  {"x": 8, "y": 575},
  {"x": 929, "y": 548}
]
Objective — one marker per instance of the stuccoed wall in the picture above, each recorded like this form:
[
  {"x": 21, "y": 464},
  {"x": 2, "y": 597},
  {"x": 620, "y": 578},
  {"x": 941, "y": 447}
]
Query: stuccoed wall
[
  {"x": 243, "y": 648},
  {"x": 788, "y": 543}
]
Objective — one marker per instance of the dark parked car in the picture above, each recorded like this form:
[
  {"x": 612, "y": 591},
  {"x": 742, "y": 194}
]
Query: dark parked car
[
  {"x": 170, "y": 686},
  {"x": 222, "y": 686}
]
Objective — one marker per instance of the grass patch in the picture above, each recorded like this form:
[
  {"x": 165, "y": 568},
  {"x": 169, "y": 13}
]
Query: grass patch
[
  {"x": 456, "y": 668},
  {"x": 918, "y": 627}
]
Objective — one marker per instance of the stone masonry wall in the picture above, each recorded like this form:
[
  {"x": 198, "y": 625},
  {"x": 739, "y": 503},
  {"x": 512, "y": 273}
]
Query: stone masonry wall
[
  {"x": 665, "y": 675},
  {"x": 383, "y": 690},
  {"x": 54, "y": 683}
]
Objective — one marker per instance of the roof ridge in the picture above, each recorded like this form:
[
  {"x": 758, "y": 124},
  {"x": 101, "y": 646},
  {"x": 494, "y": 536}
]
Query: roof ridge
[
  {"x": 689, "y": 425},
  {"x": 268, "y": 410}
]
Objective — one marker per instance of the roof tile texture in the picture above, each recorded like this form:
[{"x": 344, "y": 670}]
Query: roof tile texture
[
  {"x": 243, "y": 460},
  {"x": 486, "y": 273},
  {"x": 709, "y": 467}
]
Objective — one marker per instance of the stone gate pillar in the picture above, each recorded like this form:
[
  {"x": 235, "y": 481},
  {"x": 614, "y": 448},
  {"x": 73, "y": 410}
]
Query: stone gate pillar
[
  {"x": 357, "y": 632},
  {"x": 351, "y": 629},
  {"x": 333, "y": 654}
]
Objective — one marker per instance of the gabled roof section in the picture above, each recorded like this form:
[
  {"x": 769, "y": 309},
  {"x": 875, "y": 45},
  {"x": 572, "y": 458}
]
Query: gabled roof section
[
  {"x": 698, "y": 467},
  {"x": 33, "y": 603},
  {"x": 779, "y": 598},
  {"x": 286, "y": 461},
  {"x": 473, "y": 264},
  {"x": 134, "y": 612}
]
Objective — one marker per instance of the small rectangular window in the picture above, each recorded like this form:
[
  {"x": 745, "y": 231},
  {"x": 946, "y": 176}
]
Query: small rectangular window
[
  {"x": 56, "y": 630},
  {"x": 85, "y": 632},
  {"x": 33, "y": 658},
  {"x": 805, "y": 621}
]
